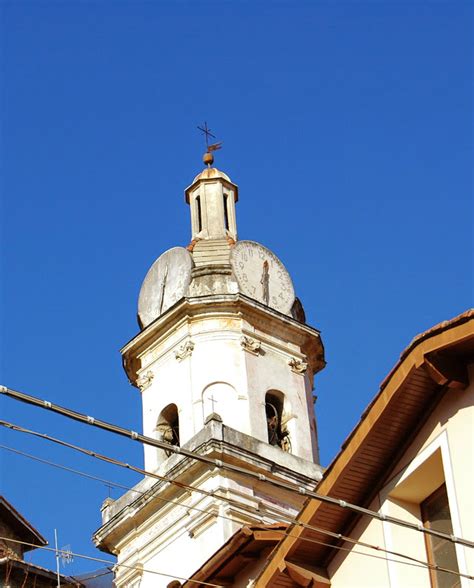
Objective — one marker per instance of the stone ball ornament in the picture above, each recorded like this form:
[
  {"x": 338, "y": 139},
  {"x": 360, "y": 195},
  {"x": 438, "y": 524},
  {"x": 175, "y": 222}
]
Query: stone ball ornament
[
  {"x": 262, "y": 276},
  {"x": 166, "y": 282}
]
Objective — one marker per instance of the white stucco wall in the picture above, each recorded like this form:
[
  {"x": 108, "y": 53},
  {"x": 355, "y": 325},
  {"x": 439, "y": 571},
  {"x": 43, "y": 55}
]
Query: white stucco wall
[
  {"x": 443, "y": 452},
  {"x": 177, "y": 540},
  {"x": 218, "y": 367}
]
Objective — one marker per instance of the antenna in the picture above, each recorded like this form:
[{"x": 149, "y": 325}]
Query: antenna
[
  {"x": 66, "y": 555},
  {"x": 58, "y": 577}
]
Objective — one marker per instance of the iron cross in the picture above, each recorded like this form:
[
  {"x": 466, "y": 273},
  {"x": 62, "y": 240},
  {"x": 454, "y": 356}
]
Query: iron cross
[{"x": 207, "y": 131}]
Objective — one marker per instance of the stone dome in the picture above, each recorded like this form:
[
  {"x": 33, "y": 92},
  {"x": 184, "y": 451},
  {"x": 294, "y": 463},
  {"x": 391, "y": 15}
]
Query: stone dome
[{"x": 210, "y": 173}]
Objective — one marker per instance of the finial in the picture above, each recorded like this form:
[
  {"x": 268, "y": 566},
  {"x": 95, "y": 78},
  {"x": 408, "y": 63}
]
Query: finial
[{"x": 208, "y": 157}]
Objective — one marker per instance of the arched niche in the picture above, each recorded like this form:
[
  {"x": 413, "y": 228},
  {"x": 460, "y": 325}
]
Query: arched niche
[
  {"x": 276, "y": 411},
  {"x": 220, "y": 398},
  {"x": 167, "y": 426}
]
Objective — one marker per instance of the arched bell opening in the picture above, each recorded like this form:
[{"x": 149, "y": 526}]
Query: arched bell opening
[
  {"x": 278, "y": 434},
  {"x": 167, "y": 427}
]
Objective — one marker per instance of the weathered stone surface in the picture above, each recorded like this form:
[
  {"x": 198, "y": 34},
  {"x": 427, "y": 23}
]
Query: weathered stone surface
[
  {"x": 165, "y": 283},
  {"x": 212, "y": 280},
  {"x": 211, "y": 252}
]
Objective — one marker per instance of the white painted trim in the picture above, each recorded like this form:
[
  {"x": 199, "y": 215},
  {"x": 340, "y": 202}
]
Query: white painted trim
[
  {"x": 441, "y": 443},
  {"x": 453, "y": 507},
  {"x": 421, "y": 457},
  {"x": 388, "y": 540}
]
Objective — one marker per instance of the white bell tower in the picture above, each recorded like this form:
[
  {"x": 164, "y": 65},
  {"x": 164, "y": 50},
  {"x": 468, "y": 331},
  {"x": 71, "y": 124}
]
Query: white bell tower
[{"x": 224, "y": 364}]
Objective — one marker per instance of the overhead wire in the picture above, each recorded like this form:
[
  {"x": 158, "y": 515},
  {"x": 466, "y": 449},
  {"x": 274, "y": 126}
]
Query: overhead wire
[
  {"x": 218, "y": 463},
  {"x": 412, "y": 560},
  {"x": 151, "y": 491},
  {"x": 414, "y": 563},
  {"x": 68, "y": 469},
  {"x": 108, "y": 459},
  {"x": 136, "y": 568},
  {"x": 94, "y": 575},
  {"x": 107, "y": 561}
]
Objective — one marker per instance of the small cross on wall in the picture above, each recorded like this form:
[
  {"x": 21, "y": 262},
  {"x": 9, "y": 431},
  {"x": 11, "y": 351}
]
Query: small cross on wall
[{"x": 213, "y": 401}]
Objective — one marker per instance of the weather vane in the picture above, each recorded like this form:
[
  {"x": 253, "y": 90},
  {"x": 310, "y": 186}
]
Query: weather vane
[{"x": 208, "y": 158}]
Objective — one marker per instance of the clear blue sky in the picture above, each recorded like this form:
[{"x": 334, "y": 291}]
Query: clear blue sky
[{"x": 346, "y": 125}]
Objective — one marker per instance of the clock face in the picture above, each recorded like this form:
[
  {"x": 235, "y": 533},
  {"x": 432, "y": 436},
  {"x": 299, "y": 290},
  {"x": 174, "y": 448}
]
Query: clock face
[
  {"x": 166, "y": 282},
  {"x": 262, "y": 276}
]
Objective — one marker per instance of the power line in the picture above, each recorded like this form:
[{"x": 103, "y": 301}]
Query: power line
[
  {"x": 93, "y": 575},
  {"x": 124, "y": 487},
  {"x": 68, "y": 469},
  {"x": 110, "y": 460},
  {"x": 28, "y": 399},
  {"x": 416, "y": 562},
  {"x": 338, "y": 547},
  {"x": 107, "y": 561}
]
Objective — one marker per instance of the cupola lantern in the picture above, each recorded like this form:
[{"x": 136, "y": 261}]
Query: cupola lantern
[{"x": 212, "y": 197}]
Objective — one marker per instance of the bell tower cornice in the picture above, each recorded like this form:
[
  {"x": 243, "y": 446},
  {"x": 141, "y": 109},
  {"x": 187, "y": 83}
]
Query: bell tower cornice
[{"x": 263, "y": 323}]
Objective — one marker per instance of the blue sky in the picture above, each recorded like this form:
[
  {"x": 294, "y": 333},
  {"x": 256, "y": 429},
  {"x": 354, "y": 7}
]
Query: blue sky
[{"x": 346, "y": 125}]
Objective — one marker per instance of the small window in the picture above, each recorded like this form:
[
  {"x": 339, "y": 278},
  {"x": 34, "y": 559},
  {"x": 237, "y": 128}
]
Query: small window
[
  {"x": 168, "y": 426},
  {"x": 198, "y": 213},
  {"x": 441, "y": 552},
  {"x": 277, "y": 432},
  {"x": 226, "y": 211}
]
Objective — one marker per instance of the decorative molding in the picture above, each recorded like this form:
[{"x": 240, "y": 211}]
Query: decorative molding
[
  {"x": 184, "y": 351},
  {"x": 144, "y": 381},
  {"x": 298, "y": 365},
  {"x": 250, "y": 345}
]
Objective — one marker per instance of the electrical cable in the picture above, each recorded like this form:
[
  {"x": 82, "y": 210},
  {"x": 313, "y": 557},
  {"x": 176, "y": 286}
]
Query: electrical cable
[
  {"x": 68, "y": 469},
  {"x": 110, "y": 460},
  {"x": 93, "y": 575},
  {"x": 338, "y": 547},
  {"x": 45, "y": 404},
  {"x": 417, "y": 562},
  {"x": 107, "y": 561},
  {"x": 129, "y": 488}
]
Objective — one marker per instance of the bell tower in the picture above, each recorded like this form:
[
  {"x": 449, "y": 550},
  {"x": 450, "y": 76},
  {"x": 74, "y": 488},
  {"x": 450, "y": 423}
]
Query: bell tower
[{"x": 224, "y": 363}]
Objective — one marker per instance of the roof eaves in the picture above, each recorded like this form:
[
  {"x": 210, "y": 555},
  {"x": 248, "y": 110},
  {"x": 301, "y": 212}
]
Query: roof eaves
[
  {"x": 412, "y": 357},
  {"x": 11, "y": 510},
  {"x": 230, "y": 549},
  {"x": 39, "y": 570}
]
